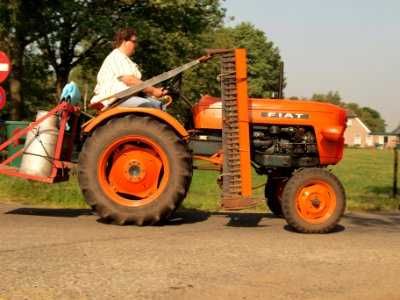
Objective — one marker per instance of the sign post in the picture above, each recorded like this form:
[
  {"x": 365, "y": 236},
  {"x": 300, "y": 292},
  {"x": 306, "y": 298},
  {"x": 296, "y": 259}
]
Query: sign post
[{"x": 396, "y": 160}]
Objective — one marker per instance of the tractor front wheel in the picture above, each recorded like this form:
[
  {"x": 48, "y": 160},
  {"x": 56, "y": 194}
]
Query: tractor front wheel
[
  {"x": 273, "y": 194},
  {"x": 134, "y": 170},
  {"x": 313, "y": 201}
]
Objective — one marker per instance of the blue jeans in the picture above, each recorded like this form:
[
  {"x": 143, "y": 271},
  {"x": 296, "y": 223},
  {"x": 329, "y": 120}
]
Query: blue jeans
[{"x": 144, "y": 102}]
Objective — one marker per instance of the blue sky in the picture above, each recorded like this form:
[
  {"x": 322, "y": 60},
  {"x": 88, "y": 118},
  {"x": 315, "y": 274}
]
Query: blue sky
[{"x": 349, "y": 46}]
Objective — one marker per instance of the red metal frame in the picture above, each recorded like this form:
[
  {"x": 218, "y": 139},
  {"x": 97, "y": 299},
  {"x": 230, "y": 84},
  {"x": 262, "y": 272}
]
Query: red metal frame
[
  {"x": 60, "y": 168},
  {"x": 215, "y": 159},
  {"x": 243, "y": 118}
]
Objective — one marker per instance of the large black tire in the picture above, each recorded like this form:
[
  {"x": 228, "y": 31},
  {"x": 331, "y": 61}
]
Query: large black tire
[
  {"x": 134, "y": 170},
  {"x": 273, "y": 193},
  {"x": 313, "y": 201}
]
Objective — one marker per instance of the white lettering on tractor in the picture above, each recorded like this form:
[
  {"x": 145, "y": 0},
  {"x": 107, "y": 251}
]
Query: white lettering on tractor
[{"x": 284, "y": 115}]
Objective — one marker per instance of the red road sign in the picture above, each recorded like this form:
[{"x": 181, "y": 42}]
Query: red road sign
[
  {"x": 2, "y": 97},
  {"x": 4, "y": 66}
]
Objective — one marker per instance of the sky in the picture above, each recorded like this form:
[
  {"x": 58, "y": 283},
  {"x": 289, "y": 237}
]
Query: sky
[{"x": 348, "y": 46}]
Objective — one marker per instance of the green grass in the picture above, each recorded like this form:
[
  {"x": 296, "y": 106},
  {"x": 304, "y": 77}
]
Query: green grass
[
  {"x": 366, "y": 174},
  {"x": 204, "y": 193},
  {"x": 19, "y": 190}
]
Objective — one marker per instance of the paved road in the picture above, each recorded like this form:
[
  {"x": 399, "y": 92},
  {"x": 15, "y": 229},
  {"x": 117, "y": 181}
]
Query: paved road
[{"x": 70, "y": 254}]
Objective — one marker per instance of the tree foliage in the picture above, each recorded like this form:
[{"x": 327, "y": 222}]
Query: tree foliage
[
  {"x": 19, "y": 24},
  {"x": 50, "y": 42},
  {"x": 370, "y": 117},
  {"x": 77, "y": 38},
  {"x": 331, "y": 97},
  {"x": 78, "y": 33},
  {"x": 75, "y": 30},
  {"x": 263, "y": 61}
]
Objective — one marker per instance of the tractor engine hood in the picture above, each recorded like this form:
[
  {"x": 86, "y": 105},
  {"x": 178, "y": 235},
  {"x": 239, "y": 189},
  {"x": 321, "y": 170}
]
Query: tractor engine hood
[{"x": 326, "y": 118}]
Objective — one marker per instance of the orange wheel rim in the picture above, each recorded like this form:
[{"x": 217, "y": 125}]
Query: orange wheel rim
[
  {"x": 133, "y": 171},
  {"x": 316, "y": 202}
]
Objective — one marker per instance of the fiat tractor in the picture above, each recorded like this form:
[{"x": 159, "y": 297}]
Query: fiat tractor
[{"x": 136, "y": 163}]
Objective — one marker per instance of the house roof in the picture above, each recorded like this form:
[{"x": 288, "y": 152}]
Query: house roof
[{"x": 385, "y": 133}]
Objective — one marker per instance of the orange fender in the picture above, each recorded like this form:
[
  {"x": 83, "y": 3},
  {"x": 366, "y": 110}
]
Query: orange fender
[{"x": 123, "y": 110}]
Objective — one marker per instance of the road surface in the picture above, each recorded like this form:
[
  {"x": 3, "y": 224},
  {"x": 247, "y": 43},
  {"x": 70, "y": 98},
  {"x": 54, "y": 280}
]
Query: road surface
[{"x": 70, "y": 254}]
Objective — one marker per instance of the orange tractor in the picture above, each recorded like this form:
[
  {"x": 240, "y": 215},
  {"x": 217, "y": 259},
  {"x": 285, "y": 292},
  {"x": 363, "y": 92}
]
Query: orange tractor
[{"x": 136, "y": 164}]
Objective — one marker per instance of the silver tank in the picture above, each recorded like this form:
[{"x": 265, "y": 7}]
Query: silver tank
[{"x": 40, "y": 146}]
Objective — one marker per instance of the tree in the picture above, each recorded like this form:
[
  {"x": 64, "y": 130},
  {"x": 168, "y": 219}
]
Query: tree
[
  {"x": 331, "y": 97},
  {"x": 373, "y": 120},
  {"x": 263, "y": 59},
  {"x": 263, "y": 62},
  {"x": 77, "y": 33},
  {"x": 370, "y": 117},
  {"x": 38, "y": 87},
  {"x": 75, "y": 30},
  {"x": 18, "y": 28},
  {"x": 81, "y": 29}
]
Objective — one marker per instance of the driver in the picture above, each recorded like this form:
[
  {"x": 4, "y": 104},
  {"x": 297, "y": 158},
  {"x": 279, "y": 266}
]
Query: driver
[{"x": 118, "y": 72}]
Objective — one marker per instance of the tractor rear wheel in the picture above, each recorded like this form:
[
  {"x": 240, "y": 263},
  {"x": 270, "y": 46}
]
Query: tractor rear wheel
[
  {"x": 313, "y": 201},
  {"x": 134, "y": 170}
]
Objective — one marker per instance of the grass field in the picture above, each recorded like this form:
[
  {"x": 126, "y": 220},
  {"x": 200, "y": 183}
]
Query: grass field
[{"x": 366, "y": 174}]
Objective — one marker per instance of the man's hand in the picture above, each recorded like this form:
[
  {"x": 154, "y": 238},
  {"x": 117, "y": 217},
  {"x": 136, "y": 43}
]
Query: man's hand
[
  {"x": 131, "y": 80},
  {"x": 158, "y": 93}
]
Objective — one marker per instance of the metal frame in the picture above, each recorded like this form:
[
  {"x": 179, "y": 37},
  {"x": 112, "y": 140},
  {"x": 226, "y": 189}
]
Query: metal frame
[{"x": 60, "y": 168}]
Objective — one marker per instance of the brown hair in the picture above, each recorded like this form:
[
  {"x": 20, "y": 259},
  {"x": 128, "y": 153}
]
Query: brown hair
[{"x": 123, "y": 34}]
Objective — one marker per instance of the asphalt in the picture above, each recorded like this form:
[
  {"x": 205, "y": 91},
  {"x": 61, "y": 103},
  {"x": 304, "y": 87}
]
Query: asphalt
[{"x": 50, "y": 253}]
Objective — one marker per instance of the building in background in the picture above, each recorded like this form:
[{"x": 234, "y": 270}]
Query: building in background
[{"x": 357, "y": 134}]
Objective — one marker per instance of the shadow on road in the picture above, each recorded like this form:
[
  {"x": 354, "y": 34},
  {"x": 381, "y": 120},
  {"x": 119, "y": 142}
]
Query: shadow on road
[
  {"x": 375, "y": 219},
  {"x": 50, "y": 212},
  {"x": 236, "y": 219},
  {"x": 338, "y": 228},
  {"x": 247, "y": 219},
  {"x": 379, "y": 220},
  {"x": 180, "y": 217},
  {"x": 183, "y": 217}
]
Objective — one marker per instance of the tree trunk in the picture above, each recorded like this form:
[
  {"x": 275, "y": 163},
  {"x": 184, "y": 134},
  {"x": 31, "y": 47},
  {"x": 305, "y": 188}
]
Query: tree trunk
[
  {"x": 62, "y": 80},
  {"x": 16, "y": 55}
]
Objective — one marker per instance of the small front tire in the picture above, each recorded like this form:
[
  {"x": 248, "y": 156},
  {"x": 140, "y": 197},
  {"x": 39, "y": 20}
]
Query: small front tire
[
  {"x": 313, "y": 201},
  {"x": 273, "y": 194}
]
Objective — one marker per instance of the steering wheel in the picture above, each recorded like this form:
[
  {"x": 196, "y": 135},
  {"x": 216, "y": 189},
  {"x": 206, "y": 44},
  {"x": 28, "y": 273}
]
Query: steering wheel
[{"x": 170, "y": 83}]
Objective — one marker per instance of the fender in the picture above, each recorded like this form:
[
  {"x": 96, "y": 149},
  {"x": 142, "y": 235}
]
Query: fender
[{"x": 122, "y": 110}]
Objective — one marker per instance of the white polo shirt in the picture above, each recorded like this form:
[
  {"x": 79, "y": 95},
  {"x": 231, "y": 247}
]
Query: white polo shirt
[{"x": 114, "y": 66}]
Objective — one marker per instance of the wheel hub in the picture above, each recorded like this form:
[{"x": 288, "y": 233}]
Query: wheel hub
[
  {"x": 136, "y": 171},
  {"x": 315, "y": 201}
]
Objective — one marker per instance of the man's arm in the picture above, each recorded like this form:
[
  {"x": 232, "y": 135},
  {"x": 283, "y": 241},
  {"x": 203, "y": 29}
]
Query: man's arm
[{"x": 131, "y": 80}]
